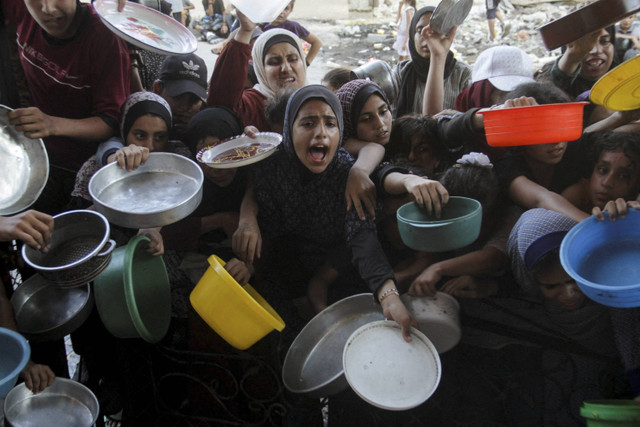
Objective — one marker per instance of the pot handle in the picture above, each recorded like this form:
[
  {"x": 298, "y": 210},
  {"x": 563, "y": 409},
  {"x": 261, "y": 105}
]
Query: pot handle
[{"x": 111, "y": 246}]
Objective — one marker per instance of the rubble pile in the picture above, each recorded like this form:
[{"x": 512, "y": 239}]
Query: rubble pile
[{"x": 353, "y": 43}]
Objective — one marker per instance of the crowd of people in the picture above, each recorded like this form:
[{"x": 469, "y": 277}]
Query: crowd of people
[{"x": 316, "y": 221}]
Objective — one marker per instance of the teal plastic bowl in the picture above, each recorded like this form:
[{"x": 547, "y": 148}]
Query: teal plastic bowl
[
  {"x": 133, "y": 295},
  {"x": 458, "y": 225},
  {"x": 14, "y": 355}
]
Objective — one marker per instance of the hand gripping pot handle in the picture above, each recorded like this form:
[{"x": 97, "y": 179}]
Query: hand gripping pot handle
[{"x": 110, "y": 246}]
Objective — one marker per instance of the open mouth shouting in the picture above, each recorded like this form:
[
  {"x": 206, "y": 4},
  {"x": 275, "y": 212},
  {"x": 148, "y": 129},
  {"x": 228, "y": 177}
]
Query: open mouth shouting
[{"x": 318, "y": 154}]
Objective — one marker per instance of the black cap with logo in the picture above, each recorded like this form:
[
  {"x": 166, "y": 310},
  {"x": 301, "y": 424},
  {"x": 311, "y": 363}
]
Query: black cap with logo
[{"x": 184, "y": 73}]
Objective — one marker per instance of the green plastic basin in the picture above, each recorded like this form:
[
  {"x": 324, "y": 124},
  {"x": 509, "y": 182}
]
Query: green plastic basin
[
  {"x": 133, "y": 295},
  {"x": 611, "y": 413},
  {"x": 458, "y": 225}
]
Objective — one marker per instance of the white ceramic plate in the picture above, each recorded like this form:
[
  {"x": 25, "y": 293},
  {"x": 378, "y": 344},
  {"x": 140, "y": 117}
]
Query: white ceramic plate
[
  {"x": 240, "y": 151},
  {"x": 146, "y": 28},
  {"x": 388, "y": 372}
]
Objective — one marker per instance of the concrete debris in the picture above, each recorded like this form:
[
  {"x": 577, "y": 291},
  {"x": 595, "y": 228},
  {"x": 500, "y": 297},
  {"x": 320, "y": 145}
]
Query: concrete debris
[{"x": 357, "y": 40}]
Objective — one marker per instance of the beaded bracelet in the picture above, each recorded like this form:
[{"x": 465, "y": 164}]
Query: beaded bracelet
[{"x": 387, "y": 293}]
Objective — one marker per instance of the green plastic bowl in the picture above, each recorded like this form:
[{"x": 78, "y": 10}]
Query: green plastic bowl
[
  {"x": 458, "y": 225},
  {"x": 133, "y": 295},
  {"x": 611, "y": 413}
]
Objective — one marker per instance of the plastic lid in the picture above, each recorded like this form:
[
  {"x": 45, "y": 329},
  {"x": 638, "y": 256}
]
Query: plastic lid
[{"x": 388, "y": 372}]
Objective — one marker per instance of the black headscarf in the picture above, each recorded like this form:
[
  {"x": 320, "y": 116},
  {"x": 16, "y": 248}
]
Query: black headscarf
[
  {"x": 418, "y": 68},
  {"x": 296, "y": 101},
  {"x": 219, "y": 122}
]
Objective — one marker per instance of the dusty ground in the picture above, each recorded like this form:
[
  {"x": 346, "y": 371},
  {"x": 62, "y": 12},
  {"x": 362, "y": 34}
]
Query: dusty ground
[{"x": 353, "y": 38}]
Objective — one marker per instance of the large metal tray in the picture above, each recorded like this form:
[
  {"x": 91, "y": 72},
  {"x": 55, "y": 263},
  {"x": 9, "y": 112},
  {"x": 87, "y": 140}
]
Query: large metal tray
[
  {"x": 45, "y": 312},
  {"x": 313, "y": 365},
  {"x": 165, "y": 189},
  {"x": 24, "y": 167},
  {"x": 65, "y": 403}
]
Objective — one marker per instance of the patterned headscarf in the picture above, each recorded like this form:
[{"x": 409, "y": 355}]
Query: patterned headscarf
[
  {"x": 260, "y": 49},
  {"x": 353, "y": 95},
  {"x": 537, "y": 232},
  {"x": 139, "y": 104}
]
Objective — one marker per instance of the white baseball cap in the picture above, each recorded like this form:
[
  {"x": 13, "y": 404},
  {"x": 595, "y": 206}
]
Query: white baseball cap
[{"x": 504, "y": 66}]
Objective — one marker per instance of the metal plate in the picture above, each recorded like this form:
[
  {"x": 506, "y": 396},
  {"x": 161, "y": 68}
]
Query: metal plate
[
  {"x": 165, "y": 189},
  {"x": 313, "y": 365},
  {"x": 146, "y": 28},
  {"x": 448, "y": 14},
  {"x": 240, "y": 151},
  {"x": 45, "y": 312},
  {"x": 388, "y": 372},
  {"x": 24, "y": 167},
  {"x": 65, "y": 403},
  {"x": 590, "y": 18}
]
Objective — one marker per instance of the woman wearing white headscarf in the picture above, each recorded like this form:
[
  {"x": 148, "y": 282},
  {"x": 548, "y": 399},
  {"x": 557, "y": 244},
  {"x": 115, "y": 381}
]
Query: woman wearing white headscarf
[{"x": 278, "y": 61}]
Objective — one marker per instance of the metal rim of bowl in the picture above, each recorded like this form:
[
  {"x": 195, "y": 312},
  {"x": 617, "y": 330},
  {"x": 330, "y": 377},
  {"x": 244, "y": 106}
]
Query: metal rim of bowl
[
  {"x": 93, "y": 253},
  {"x": 477, "y": 207}
]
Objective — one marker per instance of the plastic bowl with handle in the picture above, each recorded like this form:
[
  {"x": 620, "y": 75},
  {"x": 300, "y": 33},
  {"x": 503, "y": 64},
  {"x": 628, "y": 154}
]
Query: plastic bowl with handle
[
  {"x": 458, "y": 225},
  {"x": 237, "y": 313}
]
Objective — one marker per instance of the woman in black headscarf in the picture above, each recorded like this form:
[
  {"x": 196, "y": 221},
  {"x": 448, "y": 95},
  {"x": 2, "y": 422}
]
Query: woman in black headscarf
[
  {"x": 411, "y": 75},
  {"x": 302, "y": 210}
]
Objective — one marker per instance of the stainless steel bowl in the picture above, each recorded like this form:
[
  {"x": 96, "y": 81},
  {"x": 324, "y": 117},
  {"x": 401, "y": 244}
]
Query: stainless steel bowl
[
  {"x": 167, "y": 188},
  {"x": 24, "y": 167},
  {"x": 45, "y": 312},
  {"x": 313, "y": 365},
  {"x": 379, "y": 72},
  {"x": 80, "y": 249},
  {"x": 65, "y": 403}
]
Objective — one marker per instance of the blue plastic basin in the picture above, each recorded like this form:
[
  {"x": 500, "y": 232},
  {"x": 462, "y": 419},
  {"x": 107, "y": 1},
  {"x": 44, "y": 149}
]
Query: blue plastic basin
[
  {"x": 603, "y": 257},
  {"x": 14, "y": 355}
]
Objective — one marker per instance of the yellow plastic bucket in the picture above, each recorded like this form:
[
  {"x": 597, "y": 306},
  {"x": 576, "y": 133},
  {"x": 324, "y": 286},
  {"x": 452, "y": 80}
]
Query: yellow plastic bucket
[{"x": 237, "y": 313}]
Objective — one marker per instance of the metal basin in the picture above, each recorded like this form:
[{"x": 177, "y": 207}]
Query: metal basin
[
  {"x": 79, "y": 250},
  {"x": 167, "y": 188},
  {"x": 24, "y": 167},
  {"x": 379, "y": 72},
  {"x": 313, "y": 365},
  {"x": 45, "y": 312},
  {"x": 65, "y": 403}
]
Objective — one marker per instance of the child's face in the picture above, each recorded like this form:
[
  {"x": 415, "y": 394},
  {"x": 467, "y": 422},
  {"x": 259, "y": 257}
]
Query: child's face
[
  {"x": 548, "y": 154},
  {"x": 149, "y": 131},
  {"x": 284, "y": 15},
  {"x": 598, "y": 61},
  {"x": 54, "y": 16},
  {"x": 556, "y": 285},
  {"x": 374, "y": 122},
  {"x": 220, "y": 177},
  {"x": 626, "y": 23},
  {"x": 316, "y": 135},
  {"x": 422, "y": 156},
  {"x": 614, "y": 176}
]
